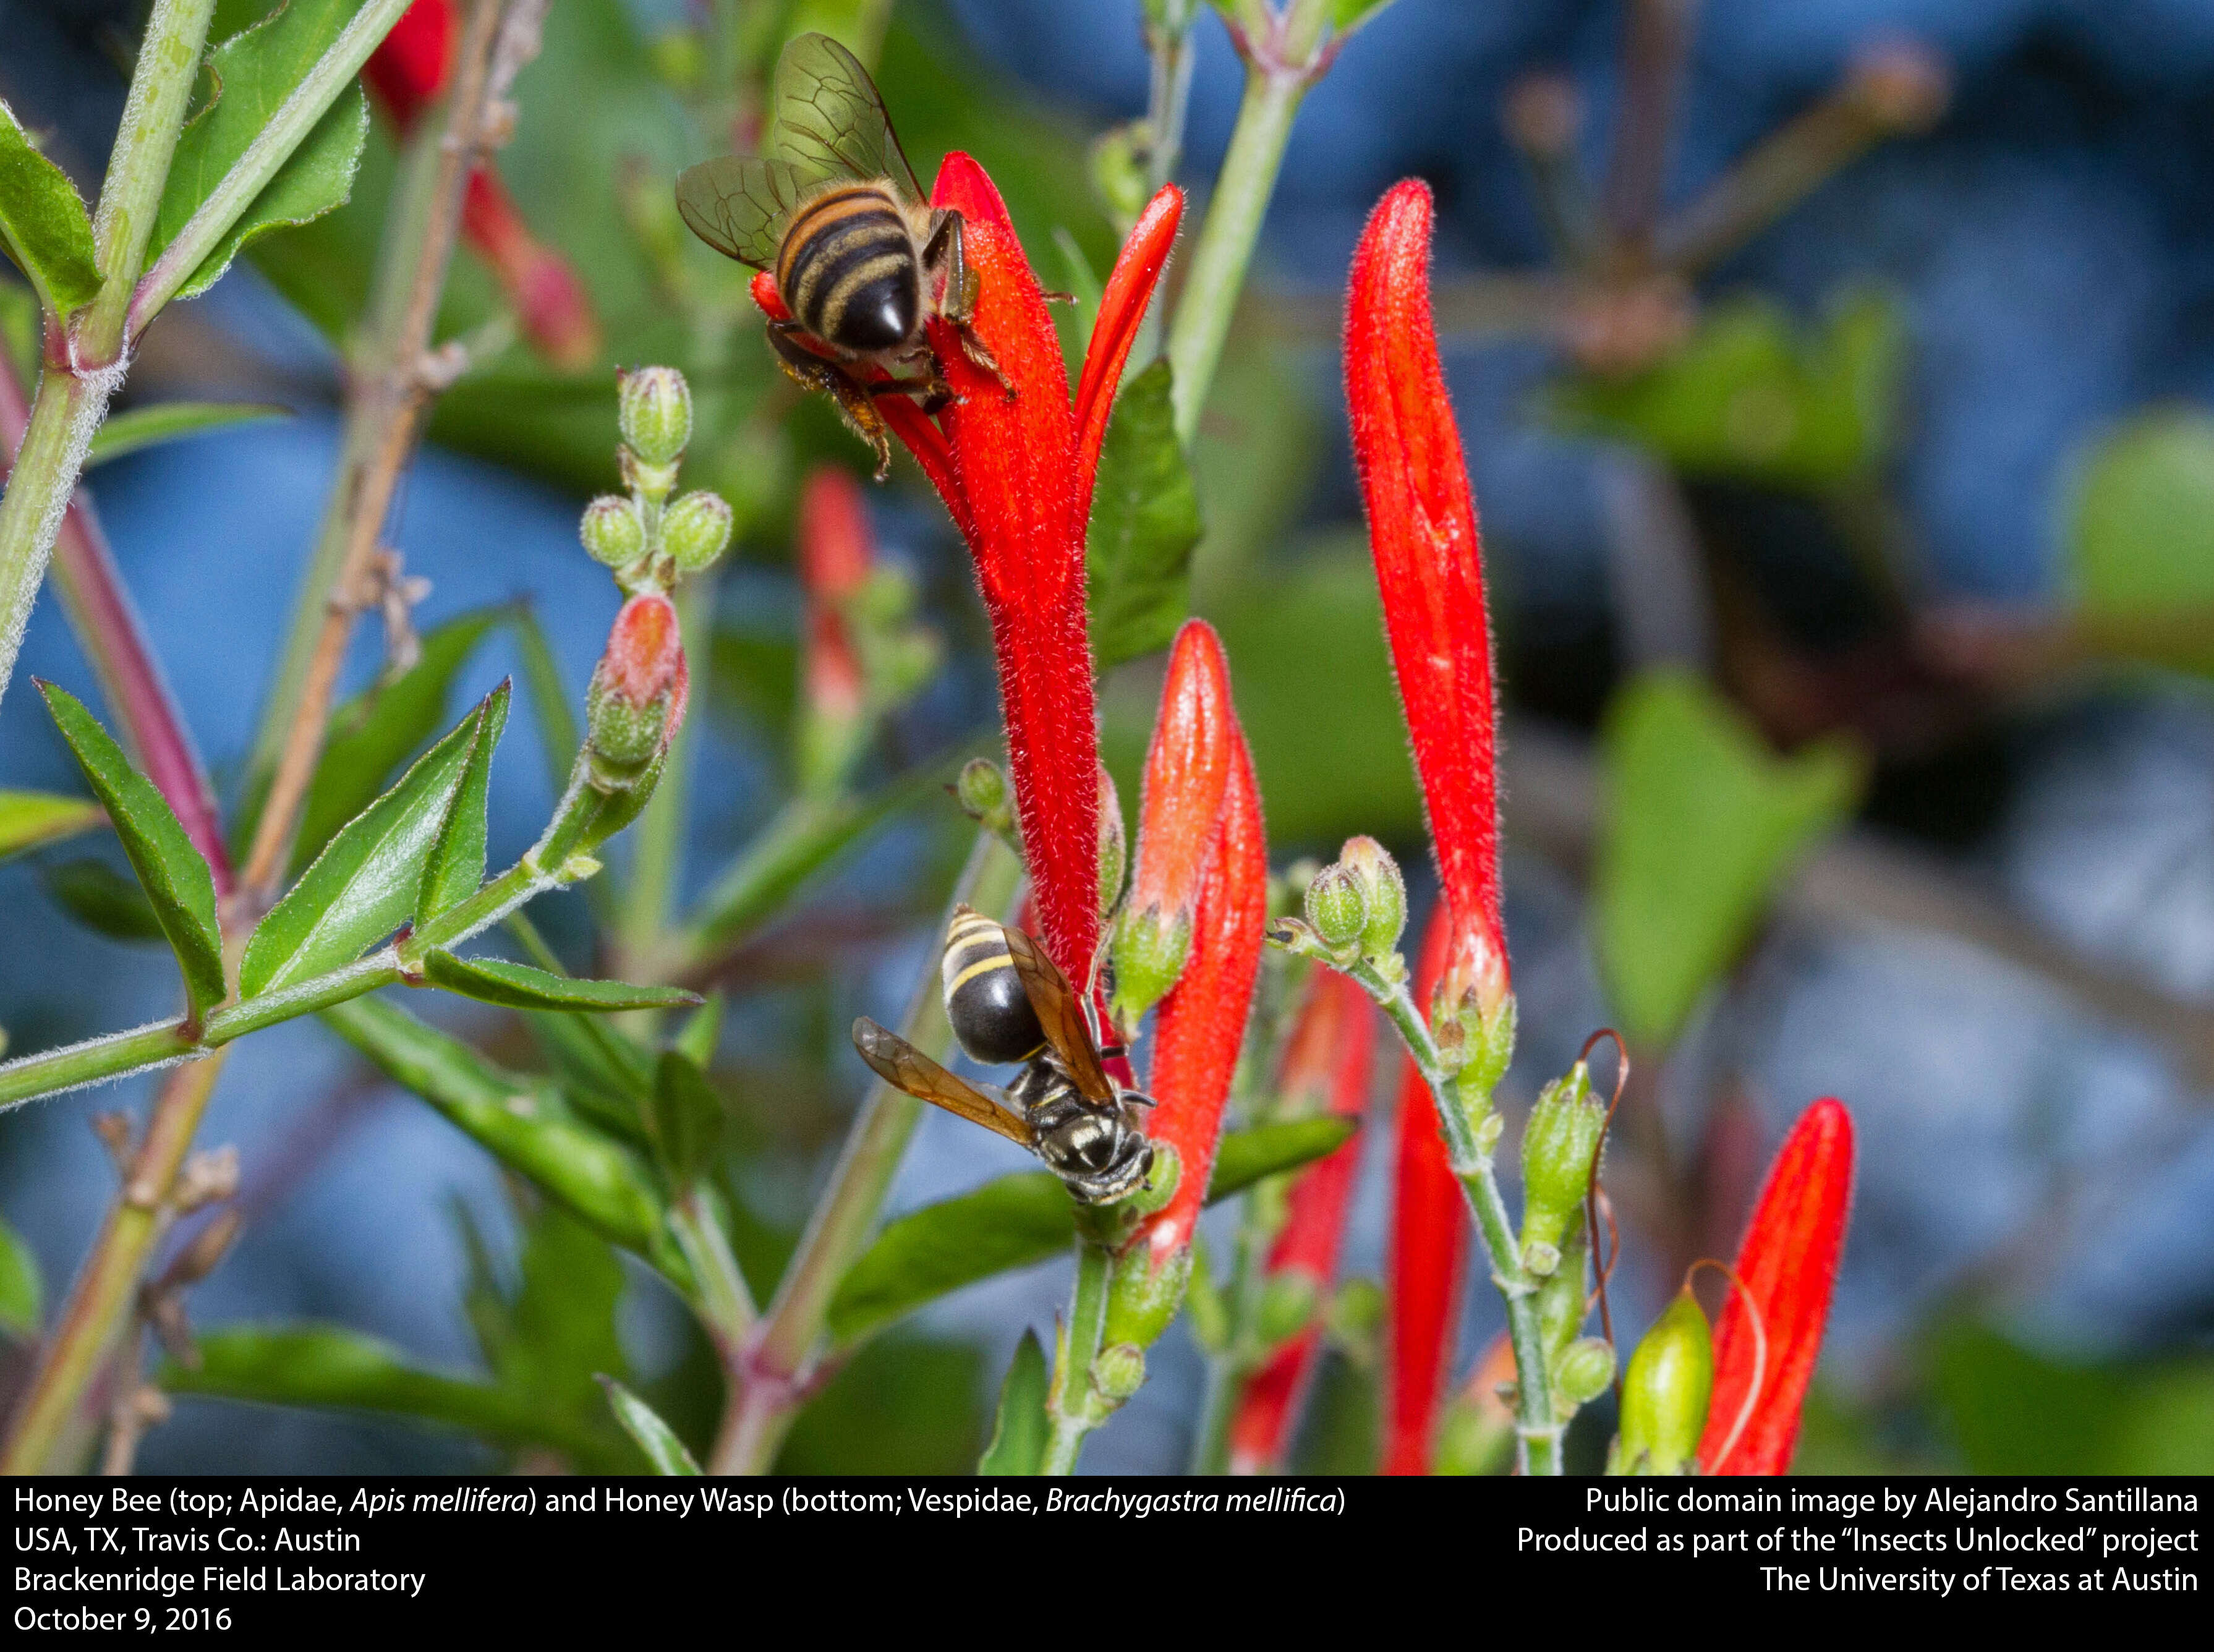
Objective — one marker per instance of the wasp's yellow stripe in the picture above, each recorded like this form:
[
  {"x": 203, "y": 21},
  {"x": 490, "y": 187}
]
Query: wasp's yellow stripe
[{"x": 976, "y": 970}]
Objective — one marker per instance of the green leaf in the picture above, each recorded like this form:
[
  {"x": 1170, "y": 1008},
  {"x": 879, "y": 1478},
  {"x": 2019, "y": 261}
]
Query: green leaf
[
  {"x": 2141, "y": 529},
  {"x": 1025, "y": 1218},
  {"x": 522, "y": 1121},
  {"x": 1018, "y": 1432},
  {"x": 456, "y": 863},
  {"x": 250, "y": 76},
  {"x": 43, "y": 224},
  {"x": 1248, "y": 1156},
  {"x": 172, "y": 421},
  {"x": 21, "y": 330},
  {"x": 31, "y": 819},
  {"x": 372, "y": 734},
  {"x": 329, "y": 1367},
  {"x": 102, "y": 899},
  {"x": 688, "y": 1118},
  {"x": 643, "y": 1425},
  {"x": 1750, "y": 395},
  {"x": 1702, "y": 824},
  {"x": 365, "y": 883},
  {"x": 22, "y": 1290},
  {"x": 1145, "y": 524},
  {"x": 520, "y": 986},
  {"x": 170, "y": 870},
  {"x": 1346, "y": 15},
  {"x": 2010, "y": 1410}
]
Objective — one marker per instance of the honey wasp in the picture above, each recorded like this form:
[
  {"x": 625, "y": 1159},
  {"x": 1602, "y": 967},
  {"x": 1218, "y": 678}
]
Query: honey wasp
[
  {"x": 1008, "y": 1003},
  {"x": 860, "y": 259}
]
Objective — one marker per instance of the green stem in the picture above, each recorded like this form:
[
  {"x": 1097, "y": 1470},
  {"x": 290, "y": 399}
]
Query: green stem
[
  {"x": 1285, "y": 54},
  {"x": 66, "y": 411},
  {"x": 726, "y": 1306},
  {"x": 1073, "y": 1408},
  {"x": 272, "y": 146},
  {"x": 1538, "y": 1429},
  {"x": 768, "y": 1390}
]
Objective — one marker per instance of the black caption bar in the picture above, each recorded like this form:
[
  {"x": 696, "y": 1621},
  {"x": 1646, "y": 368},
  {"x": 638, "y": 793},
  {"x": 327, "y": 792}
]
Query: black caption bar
[{"x": 224, "y": 1558}]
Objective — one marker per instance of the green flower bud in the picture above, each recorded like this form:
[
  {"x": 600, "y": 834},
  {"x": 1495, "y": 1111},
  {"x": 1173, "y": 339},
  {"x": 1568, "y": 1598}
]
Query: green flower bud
[
  {"x": 1118, "y": 173},
  {"x": 1150, "y": 950},
  {"x": 654, "y": 410},
  {"x": 981, "y": 789},
  {"x": 1144, "y": 1295},
  {"x": 695, "y": 530},
  {"x": 612, "y": 532},
  {"x": 1288, "y": 1301},
  {"x": 1557, "y": 1147},
  {"x": 1665, "y": 1394},
  {"x": 1119, "y": 1372},
  {"x": 1337, "y": 909},
  {"x": 1383, "y": 893},
  {"x": 1583, "y": 1370}
]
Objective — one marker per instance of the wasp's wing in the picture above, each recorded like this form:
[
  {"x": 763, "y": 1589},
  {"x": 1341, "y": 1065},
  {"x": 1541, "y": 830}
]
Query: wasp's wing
[
  {"x": 830, "y": 119},
  {"x": 1061, "y": 1013},
  {"x": 737, "y": 203},
  {"x": 903, "y": 1067}
]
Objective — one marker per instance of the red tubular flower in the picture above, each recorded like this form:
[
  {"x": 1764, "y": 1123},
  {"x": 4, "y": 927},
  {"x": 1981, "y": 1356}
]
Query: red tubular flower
[
  {"x": 1016, "y": 473},
  {"x": 1789, "y": 1263},
  {"x": 1187, "y": 775},
  {"x": 836, "y": 550},
  {"x": 1201, "y": 1023},
  {"x": 1428, "y": 1253},
  {"x": 1429, "y": 568},
  {"x": 1330, "y": 1052},
  {"x": 405, "y": 74}
]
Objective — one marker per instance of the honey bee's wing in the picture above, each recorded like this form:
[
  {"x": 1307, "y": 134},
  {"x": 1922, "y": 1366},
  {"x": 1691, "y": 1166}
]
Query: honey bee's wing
[
  {"x": 903, "y": 1067},
  {"x": 737, "y": 203},
  {"x": 830, "y": 119},
  {"x": 1060, "y": 1013}
]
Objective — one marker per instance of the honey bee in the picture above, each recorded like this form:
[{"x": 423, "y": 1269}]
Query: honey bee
[
  {"x": 1008, "y": 1003},
  {"x": 860, "y": 259}
]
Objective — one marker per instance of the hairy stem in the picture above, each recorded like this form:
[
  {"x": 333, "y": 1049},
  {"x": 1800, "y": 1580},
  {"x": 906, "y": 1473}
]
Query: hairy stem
[
  {"x": 1072, "y": 1407},
  {"x": 85, "y": 361}
]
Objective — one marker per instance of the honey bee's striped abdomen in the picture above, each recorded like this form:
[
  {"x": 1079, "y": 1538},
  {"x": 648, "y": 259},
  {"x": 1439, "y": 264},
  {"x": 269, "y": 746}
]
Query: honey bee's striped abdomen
[
  {"x": 849, "y": 270},
  {"x": 985, "y": 999}
]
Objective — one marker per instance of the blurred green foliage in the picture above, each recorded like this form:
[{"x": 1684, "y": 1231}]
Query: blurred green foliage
[
  {"x": 2141, "y": 535},
  {"x": 1701, "y": 822},
  {"x": 1751, "y": 396}
]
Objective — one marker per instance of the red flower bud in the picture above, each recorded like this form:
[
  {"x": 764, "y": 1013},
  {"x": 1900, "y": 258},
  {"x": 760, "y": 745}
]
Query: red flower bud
[
  {"x": 1202, "y": 1023},
  {"x": 1789, "y": 1263},
  {"x": 408, "y": 70},
  {"x": 645, "y": 651},
  {"x": 1429, "y": 1250},
  {"x": 1330, "y": 1054},
  {"x": 1187, "y": 773},
  {"x": 1430, "y": 567},
  {"x": 636, "y": 702}
]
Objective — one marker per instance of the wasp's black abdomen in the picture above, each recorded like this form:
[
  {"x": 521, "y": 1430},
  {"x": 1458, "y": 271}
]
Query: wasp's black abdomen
[
  {"x": 849, "y": 272},
  {"x": 985, "y": 999}
]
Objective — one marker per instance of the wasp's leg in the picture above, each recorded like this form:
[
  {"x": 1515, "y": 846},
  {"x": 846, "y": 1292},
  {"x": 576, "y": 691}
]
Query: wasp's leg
[
  {"x": 942, "y": 250},
  {"x": 854, "y": 400}
]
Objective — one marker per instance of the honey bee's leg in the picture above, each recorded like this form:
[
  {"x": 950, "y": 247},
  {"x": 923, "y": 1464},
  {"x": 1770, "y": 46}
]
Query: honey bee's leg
[
  {"x": 854, "y": 400},
  {"x": 942, "y": 251}
]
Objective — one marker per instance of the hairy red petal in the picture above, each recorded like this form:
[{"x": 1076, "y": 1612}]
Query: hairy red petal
[
  {"x": 1201, "y": 1023},
  {"x": 1429, "y": 560},
  {"x": 1122, "y": 305},
  {"x": 408, "y": 68},
  {"x": 645, "y": 650},
  {"x": 546, "y": 295},
  {"x": 1331, "y": 1050},
  {"x": 1789, "y": 1263},
  {"x": 1187, "y": 772},
  {"x": 1429, "y": 1241},
  {"x": 1012, "y": 467}
]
